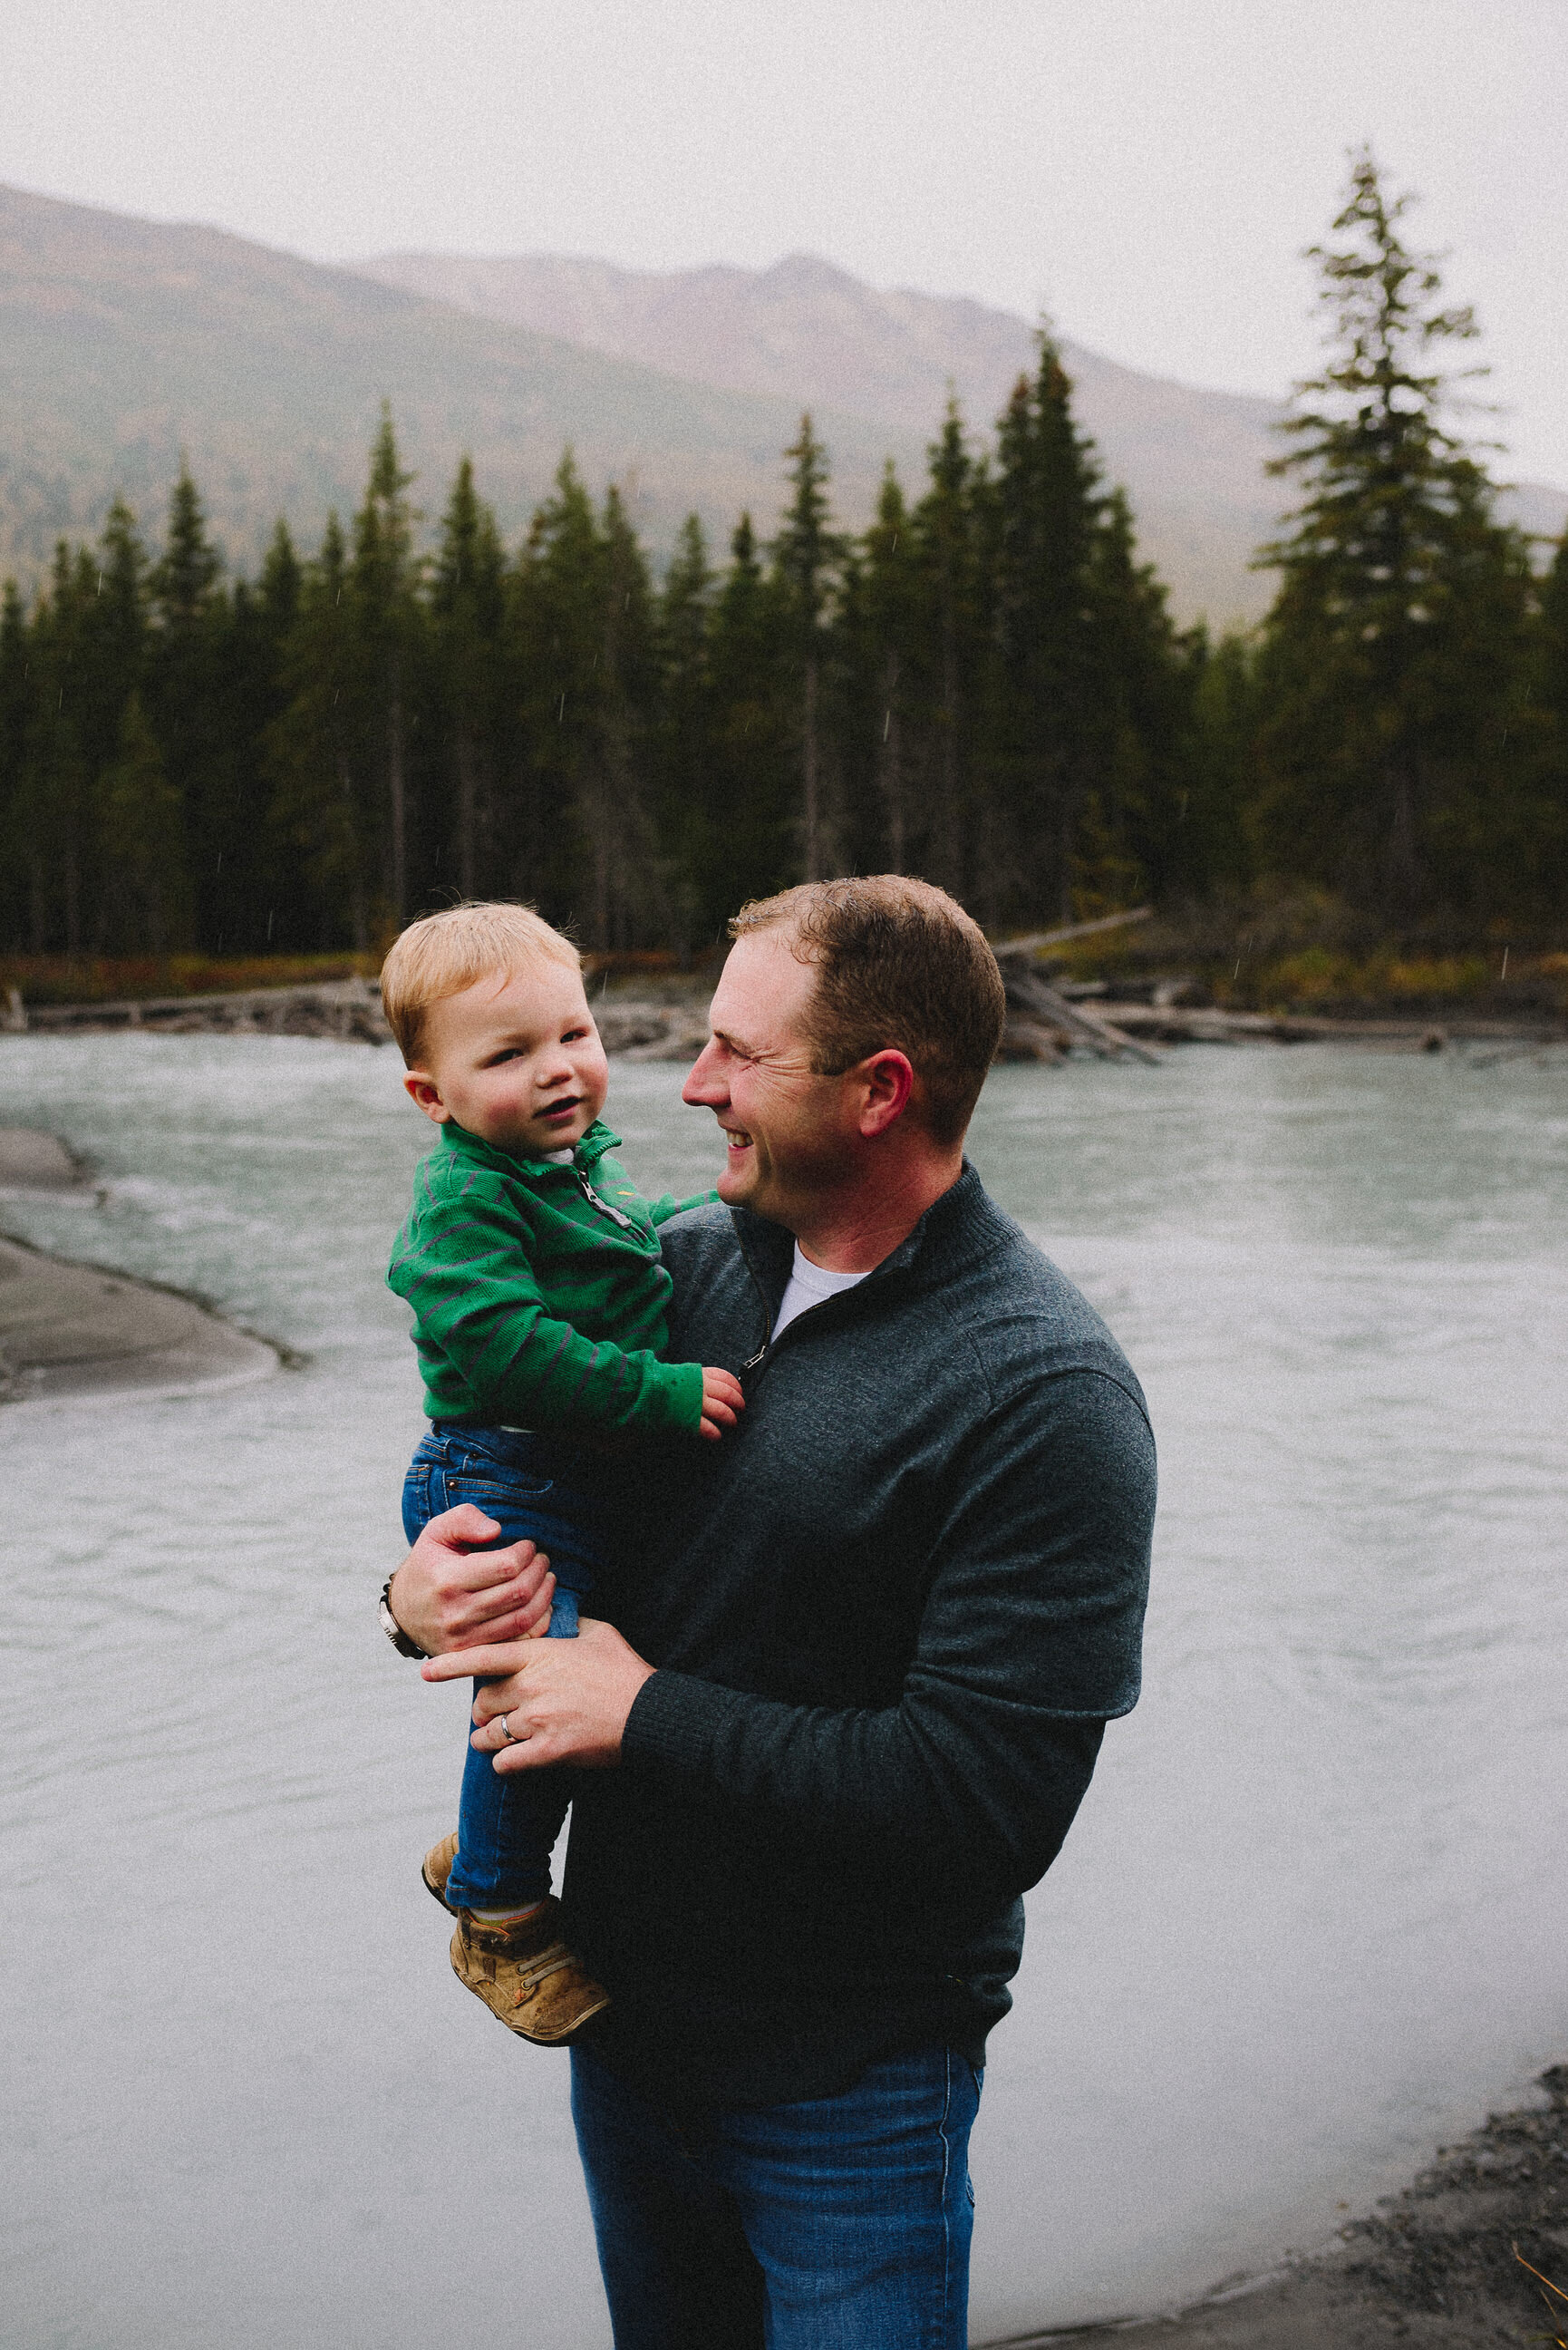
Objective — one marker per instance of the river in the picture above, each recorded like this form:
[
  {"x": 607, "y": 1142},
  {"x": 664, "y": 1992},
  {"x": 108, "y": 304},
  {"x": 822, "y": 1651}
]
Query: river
[{"x": 1309, "y": 1923}]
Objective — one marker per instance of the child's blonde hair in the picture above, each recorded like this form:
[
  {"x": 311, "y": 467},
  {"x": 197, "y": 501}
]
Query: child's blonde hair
[{"x": 442, "y": 954}]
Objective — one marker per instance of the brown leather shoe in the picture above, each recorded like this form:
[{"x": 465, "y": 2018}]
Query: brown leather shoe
[
  {"x": 525, "y": 1974},
  {"x": 436, "y": 1867}
]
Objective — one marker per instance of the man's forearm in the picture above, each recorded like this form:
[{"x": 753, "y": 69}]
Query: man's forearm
[{"x": 971, "y": 1798}]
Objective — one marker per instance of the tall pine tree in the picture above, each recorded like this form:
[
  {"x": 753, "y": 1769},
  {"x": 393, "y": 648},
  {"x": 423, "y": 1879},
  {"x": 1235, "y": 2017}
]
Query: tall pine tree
[
  {"x": 468, "y": 615},
  {"x": 1391, "y": 655},
  {"x": 806, "y": 552},
  {"x": 1045, "y": 723}
]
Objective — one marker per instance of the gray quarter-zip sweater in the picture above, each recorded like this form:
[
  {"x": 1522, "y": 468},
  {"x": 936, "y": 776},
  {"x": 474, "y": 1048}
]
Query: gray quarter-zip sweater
[{"x": 891, "y": 1613}]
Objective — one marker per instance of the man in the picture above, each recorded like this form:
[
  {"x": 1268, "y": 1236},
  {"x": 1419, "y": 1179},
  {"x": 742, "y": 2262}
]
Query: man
[{"x": 862, "y": 1655}]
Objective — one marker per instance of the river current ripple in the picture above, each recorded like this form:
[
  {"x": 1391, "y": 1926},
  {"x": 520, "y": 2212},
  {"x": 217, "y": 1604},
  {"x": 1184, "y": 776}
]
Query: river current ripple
[{"x": 1309, "y": 1923}]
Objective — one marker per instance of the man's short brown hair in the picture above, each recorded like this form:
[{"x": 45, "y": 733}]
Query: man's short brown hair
[
  {"x": 442, "y": 954},
  {"x": 898, "y": 963}
]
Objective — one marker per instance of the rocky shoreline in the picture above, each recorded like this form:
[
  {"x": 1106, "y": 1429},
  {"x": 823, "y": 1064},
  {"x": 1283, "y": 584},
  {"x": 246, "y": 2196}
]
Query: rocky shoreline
[
  {"x": 70, "y": 1331},
  {"x": 1045, "y": 1022}
]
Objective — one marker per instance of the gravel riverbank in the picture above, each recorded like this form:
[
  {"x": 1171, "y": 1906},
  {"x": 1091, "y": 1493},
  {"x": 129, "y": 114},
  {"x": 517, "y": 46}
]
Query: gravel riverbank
[{"x": 1439, "y": 2266}]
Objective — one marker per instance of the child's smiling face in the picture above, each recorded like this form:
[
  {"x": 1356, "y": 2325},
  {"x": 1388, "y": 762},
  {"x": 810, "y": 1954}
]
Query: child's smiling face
[{"x": 515, "y": 1059}]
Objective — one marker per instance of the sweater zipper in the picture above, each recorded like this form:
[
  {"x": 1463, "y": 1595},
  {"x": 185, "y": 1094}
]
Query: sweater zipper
[
  {"x": 604, "y": 1207},
  {"x": 765, "y": 1352}
]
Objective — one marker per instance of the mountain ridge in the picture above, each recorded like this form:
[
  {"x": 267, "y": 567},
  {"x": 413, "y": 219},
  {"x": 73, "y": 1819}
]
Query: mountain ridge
[
  {"x": 1191, "y": 458},
  {"x": 126, "y": 343}
]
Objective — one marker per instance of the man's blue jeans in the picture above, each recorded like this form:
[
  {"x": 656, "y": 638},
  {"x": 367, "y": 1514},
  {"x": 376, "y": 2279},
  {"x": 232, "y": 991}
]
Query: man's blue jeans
[
  {"x": 508, "y": 1821},
  {"x": 839, "y": 2223}
]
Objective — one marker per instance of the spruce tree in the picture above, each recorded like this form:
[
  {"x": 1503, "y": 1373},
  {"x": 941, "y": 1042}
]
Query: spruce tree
[
  {"x": 317, "y": 747},
  {"x": 880, "y": 629},
  {"x": 468, "y": 614},
  {"x": 751, "y": 836},
  {"x": 1131, "y": 836},
  {"x": 267, "y": 908},
  {"x": 1043, "y": 717},
  {"x": 949, "y": 528},
  {"x": 21, "y": 903},
  {"x": 145, "y": 898},
  {"x": 555, "y": 627},
  {"x": 1548, "y": 848},
  {"x": 1391, "y": 652},
  {"x": 631, "y": 900},
  {"x": 384, "y": 578},
  {"x": 806, "y": 554},
  {"x": 683, "y": 738},
  {"x": 190, "y": 677}
]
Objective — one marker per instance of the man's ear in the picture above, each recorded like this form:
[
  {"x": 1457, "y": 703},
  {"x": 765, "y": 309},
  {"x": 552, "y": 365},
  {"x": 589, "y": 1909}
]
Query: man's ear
[
  {"x": 423, "y": 1092},
  {"x": 888, "y": 1079}
]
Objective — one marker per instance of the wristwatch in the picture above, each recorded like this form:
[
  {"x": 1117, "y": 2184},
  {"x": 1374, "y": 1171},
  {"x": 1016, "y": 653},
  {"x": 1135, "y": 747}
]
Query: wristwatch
[{"x": 394, "y": 1631}]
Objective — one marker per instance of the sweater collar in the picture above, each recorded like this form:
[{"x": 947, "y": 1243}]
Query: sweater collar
[
  {"x": 480, "y": 1153},
  {"x": 965, "y": 1223}
]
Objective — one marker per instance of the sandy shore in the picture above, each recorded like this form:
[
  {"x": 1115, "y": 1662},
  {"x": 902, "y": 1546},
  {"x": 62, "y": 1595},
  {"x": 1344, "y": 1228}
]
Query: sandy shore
[
  {"x": 1435, "y": 2267},
  {"x": 73, "y": 1330}
]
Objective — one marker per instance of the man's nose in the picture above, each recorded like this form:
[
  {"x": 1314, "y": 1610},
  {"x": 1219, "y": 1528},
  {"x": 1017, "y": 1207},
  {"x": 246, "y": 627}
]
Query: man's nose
[{"x": 705, "y": 1087}]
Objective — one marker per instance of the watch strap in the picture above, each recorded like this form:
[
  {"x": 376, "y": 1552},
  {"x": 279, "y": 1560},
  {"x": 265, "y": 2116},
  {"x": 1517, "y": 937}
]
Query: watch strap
[{"x": 400, "y": 1641}]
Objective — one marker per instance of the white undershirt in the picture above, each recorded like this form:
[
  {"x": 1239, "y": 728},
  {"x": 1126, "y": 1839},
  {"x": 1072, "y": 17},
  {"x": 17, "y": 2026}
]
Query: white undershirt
[{"x": 809, "y": 1285}]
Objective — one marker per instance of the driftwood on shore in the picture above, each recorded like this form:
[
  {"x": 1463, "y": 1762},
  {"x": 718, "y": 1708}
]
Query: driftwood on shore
[
  {"x": 347, "y": 1011},
  {"x": 342, "y": 1008},
  {"x": 1045, "y": 1022}
]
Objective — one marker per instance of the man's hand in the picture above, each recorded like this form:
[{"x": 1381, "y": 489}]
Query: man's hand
[
  {"x": 446, "y": 1594},
  {"x": 562, "y": 1700},
  {"x": 722, "y": 1398}
]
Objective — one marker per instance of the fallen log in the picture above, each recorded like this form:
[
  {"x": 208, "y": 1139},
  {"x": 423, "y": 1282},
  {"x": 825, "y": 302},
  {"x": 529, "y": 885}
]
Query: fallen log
[
  {"x": 1025, "y": 1039},
  {"x": 1037, "y": 939},
  {"x": 1029, "y": 995},
  {"x": 1173, "y": 1024}
]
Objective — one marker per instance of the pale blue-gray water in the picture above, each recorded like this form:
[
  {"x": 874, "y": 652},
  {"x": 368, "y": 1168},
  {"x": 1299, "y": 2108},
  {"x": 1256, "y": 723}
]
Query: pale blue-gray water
[{"x": 1310, "y": 1922}]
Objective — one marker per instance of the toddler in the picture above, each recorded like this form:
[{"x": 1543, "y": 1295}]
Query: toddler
[{"x": 539, "y": 1299}]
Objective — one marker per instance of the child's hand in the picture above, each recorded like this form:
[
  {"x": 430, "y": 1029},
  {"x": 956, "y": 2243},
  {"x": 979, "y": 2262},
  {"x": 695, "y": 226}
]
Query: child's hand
[{"x": 722, "y": 1398}]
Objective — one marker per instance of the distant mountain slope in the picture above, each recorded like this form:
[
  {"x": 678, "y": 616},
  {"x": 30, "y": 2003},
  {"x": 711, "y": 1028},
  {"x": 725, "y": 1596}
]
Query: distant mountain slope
[
  {"x": 807, "y": 332},
  {"x": 123, "y": 342},
  {"x": 1192, "y": 460}
]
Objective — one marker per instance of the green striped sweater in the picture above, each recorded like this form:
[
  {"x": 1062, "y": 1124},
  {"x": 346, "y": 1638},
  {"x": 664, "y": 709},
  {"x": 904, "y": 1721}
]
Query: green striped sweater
[{"x": 540, "y": 1299}]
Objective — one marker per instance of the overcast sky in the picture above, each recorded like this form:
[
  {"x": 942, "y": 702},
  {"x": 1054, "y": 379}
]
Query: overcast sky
[{"x": 1146, "y": 169}]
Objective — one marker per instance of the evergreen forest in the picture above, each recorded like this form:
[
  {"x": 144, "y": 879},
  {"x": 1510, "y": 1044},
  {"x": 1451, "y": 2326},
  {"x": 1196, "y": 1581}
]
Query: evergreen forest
[{"x": 985, "y": 687}]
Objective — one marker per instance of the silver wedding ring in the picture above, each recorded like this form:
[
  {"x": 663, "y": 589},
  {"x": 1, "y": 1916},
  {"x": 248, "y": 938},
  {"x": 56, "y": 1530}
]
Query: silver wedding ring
[{"x": 505, "y": 1729}]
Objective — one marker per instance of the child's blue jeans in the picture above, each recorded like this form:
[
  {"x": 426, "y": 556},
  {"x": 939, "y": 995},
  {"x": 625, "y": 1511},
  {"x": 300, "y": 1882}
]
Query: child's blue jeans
[{"x": 508, "y": 1821}]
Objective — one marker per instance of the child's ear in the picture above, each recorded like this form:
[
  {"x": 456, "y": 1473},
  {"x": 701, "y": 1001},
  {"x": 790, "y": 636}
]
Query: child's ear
[{"x": 422, "y": 1091}]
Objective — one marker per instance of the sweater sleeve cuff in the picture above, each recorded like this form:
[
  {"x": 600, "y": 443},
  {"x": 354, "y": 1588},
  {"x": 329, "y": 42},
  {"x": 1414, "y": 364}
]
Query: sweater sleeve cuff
[
  {"x": 673, "y": 1722},
  {"x": 685, "y": 1391}
]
